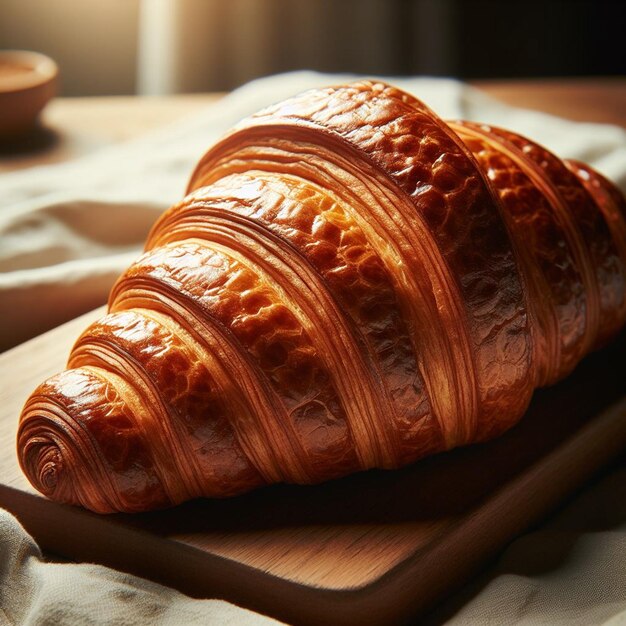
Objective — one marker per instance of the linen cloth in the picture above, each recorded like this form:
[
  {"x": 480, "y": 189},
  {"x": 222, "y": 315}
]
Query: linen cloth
[
  {"x": 36, "y": 592},
  {"x": 68, "y": 230}
]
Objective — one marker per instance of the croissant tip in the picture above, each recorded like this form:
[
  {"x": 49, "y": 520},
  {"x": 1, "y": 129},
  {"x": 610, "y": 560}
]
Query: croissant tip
[
  {"x": 45, "y": 465},
  {"x": 46, "y": 450},
  {"x": 42, "y": 461}
]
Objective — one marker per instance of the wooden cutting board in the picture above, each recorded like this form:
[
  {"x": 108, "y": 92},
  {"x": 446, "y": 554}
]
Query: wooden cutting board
[{"x": 374, "y": 548}]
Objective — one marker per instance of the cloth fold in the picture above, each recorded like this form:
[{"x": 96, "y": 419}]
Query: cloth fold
[{"x": 36, "y": 592}]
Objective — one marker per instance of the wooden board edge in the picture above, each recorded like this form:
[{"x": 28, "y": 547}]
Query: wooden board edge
[
  {"x": 582, "y": 455},
  {"x": 393, "y": 597}
]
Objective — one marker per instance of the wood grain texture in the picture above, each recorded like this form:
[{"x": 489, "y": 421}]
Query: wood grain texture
[
  {"x": 583, "y": 99},
  {"x": 73, "y": 127},
  {"x": 376, "y": 547}
]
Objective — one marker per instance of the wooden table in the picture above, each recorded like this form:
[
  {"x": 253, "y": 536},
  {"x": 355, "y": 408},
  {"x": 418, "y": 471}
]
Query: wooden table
[{"x": 73, "y": 127}]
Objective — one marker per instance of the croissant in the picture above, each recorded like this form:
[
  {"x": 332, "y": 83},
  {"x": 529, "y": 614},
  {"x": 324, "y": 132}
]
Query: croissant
[{"x": 350, "y": 283}]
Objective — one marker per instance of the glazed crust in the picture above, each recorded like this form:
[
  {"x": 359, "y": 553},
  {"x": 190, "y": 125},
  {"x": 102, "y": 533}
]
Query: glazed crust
[{"x": 349, "y": 283}]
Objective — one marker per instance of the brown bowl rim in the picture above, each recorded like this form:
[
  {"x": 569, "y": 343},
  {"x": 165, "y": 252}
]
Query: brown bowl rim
[{"x": 45, "y": 70}]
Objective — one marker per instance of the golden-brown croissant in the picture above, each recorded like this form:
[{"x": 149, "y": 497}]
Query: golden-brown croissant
[{"x": 350, "y": 283}]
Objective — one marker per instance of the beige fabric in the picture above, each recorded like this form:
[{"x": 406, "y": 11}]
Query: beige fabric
[
  {"x": 66, "y": 232},
  {"x": 36, "y": 592}
]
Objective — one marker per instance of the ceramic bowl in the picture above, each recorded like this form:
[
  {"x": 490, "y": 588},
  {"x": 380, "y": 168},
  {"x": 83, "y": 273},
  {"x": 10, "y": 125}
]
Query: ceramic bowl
[{"x": 27, "y": 82}]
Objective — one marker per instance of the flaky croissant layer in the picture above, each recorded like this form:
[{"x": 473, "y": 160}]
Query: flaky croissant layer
[{"x": 350, "y": 283}]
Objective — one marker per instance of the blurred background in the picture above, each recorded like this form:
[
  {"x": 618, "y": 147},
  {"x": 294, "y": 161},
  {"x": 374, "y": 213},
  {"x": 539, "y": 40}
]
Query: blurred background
[{"x": 175, "y": 46}]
